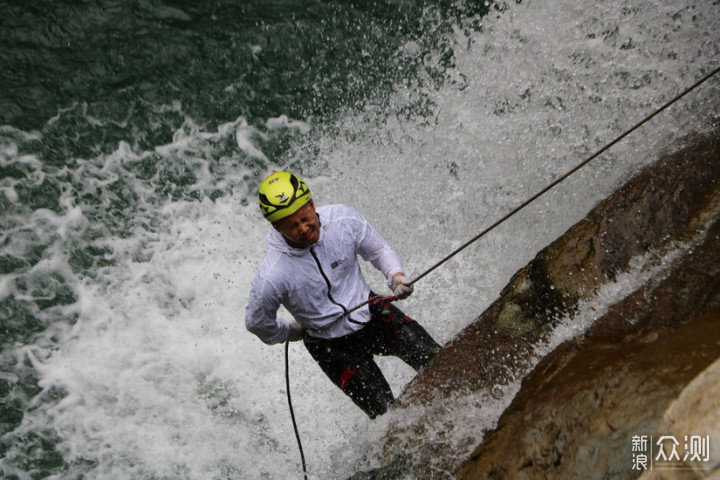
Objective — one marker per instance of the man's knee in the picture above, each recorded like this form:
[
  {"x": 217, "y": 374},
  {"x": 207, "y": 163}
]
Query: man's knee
[
  {"x": 417, "y": 346},
  {"x": 367, "y": 388}
]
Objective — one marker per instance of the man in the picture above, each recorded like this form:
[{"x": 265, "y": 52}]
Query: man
[{"x": 311, "y": 268}]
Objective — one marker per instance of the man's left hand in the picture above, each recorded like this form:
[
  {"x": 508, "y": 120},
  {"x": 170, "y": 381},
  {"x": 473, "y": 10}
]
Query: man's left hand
[
  {"x": 401, "y": 286},
  {"x": 296, "y": 331}
]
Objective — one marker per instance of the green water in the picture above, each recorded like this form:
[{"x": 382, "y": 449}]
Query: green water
[
  {"x": 133, "y": 136},
  {"x": 123, "y": 62},
  {"x": 84, "y": 80}
]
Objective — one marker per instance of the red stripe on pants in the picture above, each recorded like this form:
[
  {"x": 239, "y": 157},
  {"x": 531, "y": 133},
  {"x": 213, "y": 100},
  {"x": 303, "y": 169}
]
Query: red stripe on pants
[{"x": 347, "y": 375}]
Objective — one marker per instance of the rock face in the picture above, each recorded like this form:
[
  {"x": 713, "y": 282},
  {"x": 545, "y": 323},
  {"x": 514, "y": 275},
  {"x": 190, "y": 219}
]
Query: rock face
[
  {"x": 579, "y": 408},
  {"x": 701, "y": 398}
]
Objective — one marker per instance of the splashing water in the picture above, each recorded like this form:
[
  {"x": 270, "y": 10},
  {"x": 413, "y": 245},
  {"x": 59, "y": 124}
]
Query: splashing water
[{"x": 129, "y": 238}]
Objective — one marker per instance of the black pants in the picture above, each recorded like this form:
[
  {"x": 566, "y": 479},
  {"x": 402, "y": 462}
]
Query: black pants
[{"x": 348, "y": 360}]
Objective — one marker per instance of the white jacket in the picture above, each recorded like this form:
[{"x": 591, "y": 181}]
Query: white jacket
[{"x": 318, "y": 284}]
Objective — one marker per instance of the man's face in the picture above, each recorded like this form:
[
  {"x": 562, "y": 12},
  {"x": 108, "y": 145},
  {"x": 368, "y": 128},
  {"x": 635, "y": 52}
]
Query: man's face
[{"x": 302, "y": 228}]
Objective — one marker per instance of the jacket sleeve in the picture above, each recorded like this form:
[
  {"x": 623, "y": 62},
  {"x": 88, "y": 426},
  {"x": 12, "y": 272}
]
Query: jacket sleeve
[
  {"x": 261, "y": 313},
  {"x": 374, "y": 249}
]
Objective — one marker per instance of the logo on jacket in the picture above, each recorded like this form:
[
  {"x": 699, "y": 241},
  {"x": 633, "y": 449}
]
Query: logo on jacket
[{"x": 337, "y": 263}]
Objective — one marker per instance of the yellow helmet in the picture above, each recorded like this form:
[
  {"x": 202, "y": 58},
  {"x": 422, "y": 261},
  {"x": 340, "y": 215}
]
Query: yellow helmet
[{"x": 282, "y": 194}]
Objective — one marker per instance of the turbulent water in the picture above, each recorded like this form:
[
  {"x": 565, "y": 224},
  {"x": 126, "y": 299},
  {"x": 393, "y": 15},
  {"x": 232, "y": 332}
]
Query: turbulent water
[{"x": 133, "y": 138}]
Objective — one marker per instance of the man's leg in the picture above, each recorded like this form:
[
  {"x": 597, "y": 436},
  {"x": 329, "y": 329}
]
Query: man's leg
[
  {"x": 415, "y": 346},
  {"x": 354, "y": 371},
  {"x": 368, "y": 388},
  {"x": 403, "y": 336}
]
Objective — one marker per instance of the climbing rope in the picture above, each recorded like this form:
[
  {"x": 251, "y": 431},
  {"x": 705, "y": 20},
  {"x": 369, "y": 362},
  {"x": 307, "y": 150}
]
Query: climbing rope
[
  {"x": 549, "y": 187},
  {"x": 292, "y": 412},
  {"x": 487, "y": 230}
]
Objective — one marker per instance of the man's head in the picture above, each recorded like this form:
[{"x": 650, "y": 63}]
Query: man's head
[{"x": 286, "y": 202}]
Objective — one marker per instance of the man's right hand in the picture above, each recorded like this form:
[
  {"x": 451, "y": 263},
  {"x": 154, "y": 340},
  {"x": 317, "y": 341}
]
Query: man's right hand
[{"x": 401, "y": 286}]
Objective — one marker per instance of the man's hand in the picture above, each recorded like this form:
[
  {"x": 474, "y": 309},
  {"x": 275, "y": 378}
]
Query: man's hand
[
  {"x": 296, "y": 331},
  {"x": 401, "y": 286}
]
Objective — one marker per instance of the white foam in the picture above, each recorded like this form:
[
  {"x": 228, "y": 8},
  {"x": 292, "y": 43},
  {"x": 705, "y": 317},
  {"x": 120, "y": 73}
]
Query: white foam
[{"x": 162, "y": 380}]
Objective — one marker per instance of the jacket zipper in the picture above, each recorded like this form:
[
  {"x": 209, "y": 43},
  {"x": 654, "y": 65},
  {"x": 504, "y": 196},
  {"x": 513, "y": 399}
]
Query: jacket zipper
[{"x": 329, "y": 294}]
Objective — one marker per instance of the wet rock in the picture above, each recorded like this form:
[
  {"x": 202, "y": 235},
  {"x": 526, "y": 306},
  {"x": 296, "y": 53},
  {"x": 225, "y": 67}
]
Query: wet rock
[
  {"x": 702, "y": 398},
  {"x": 578, "y": 411},
  {"x": 579, "y": 407}
]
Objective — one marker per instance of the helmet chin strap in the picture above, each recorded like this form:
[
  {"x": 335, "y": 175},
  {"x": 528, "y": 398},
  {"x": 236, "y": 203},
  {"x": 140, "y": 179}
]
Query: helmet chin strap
[{"x": 292, "y": 242}]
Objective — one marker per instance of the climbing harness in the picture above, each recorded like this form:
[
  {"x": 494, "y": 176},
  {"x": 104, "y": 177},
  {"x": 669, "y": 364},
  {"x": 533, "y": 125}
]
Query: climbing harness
[{"x": 379, "y": 298}]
